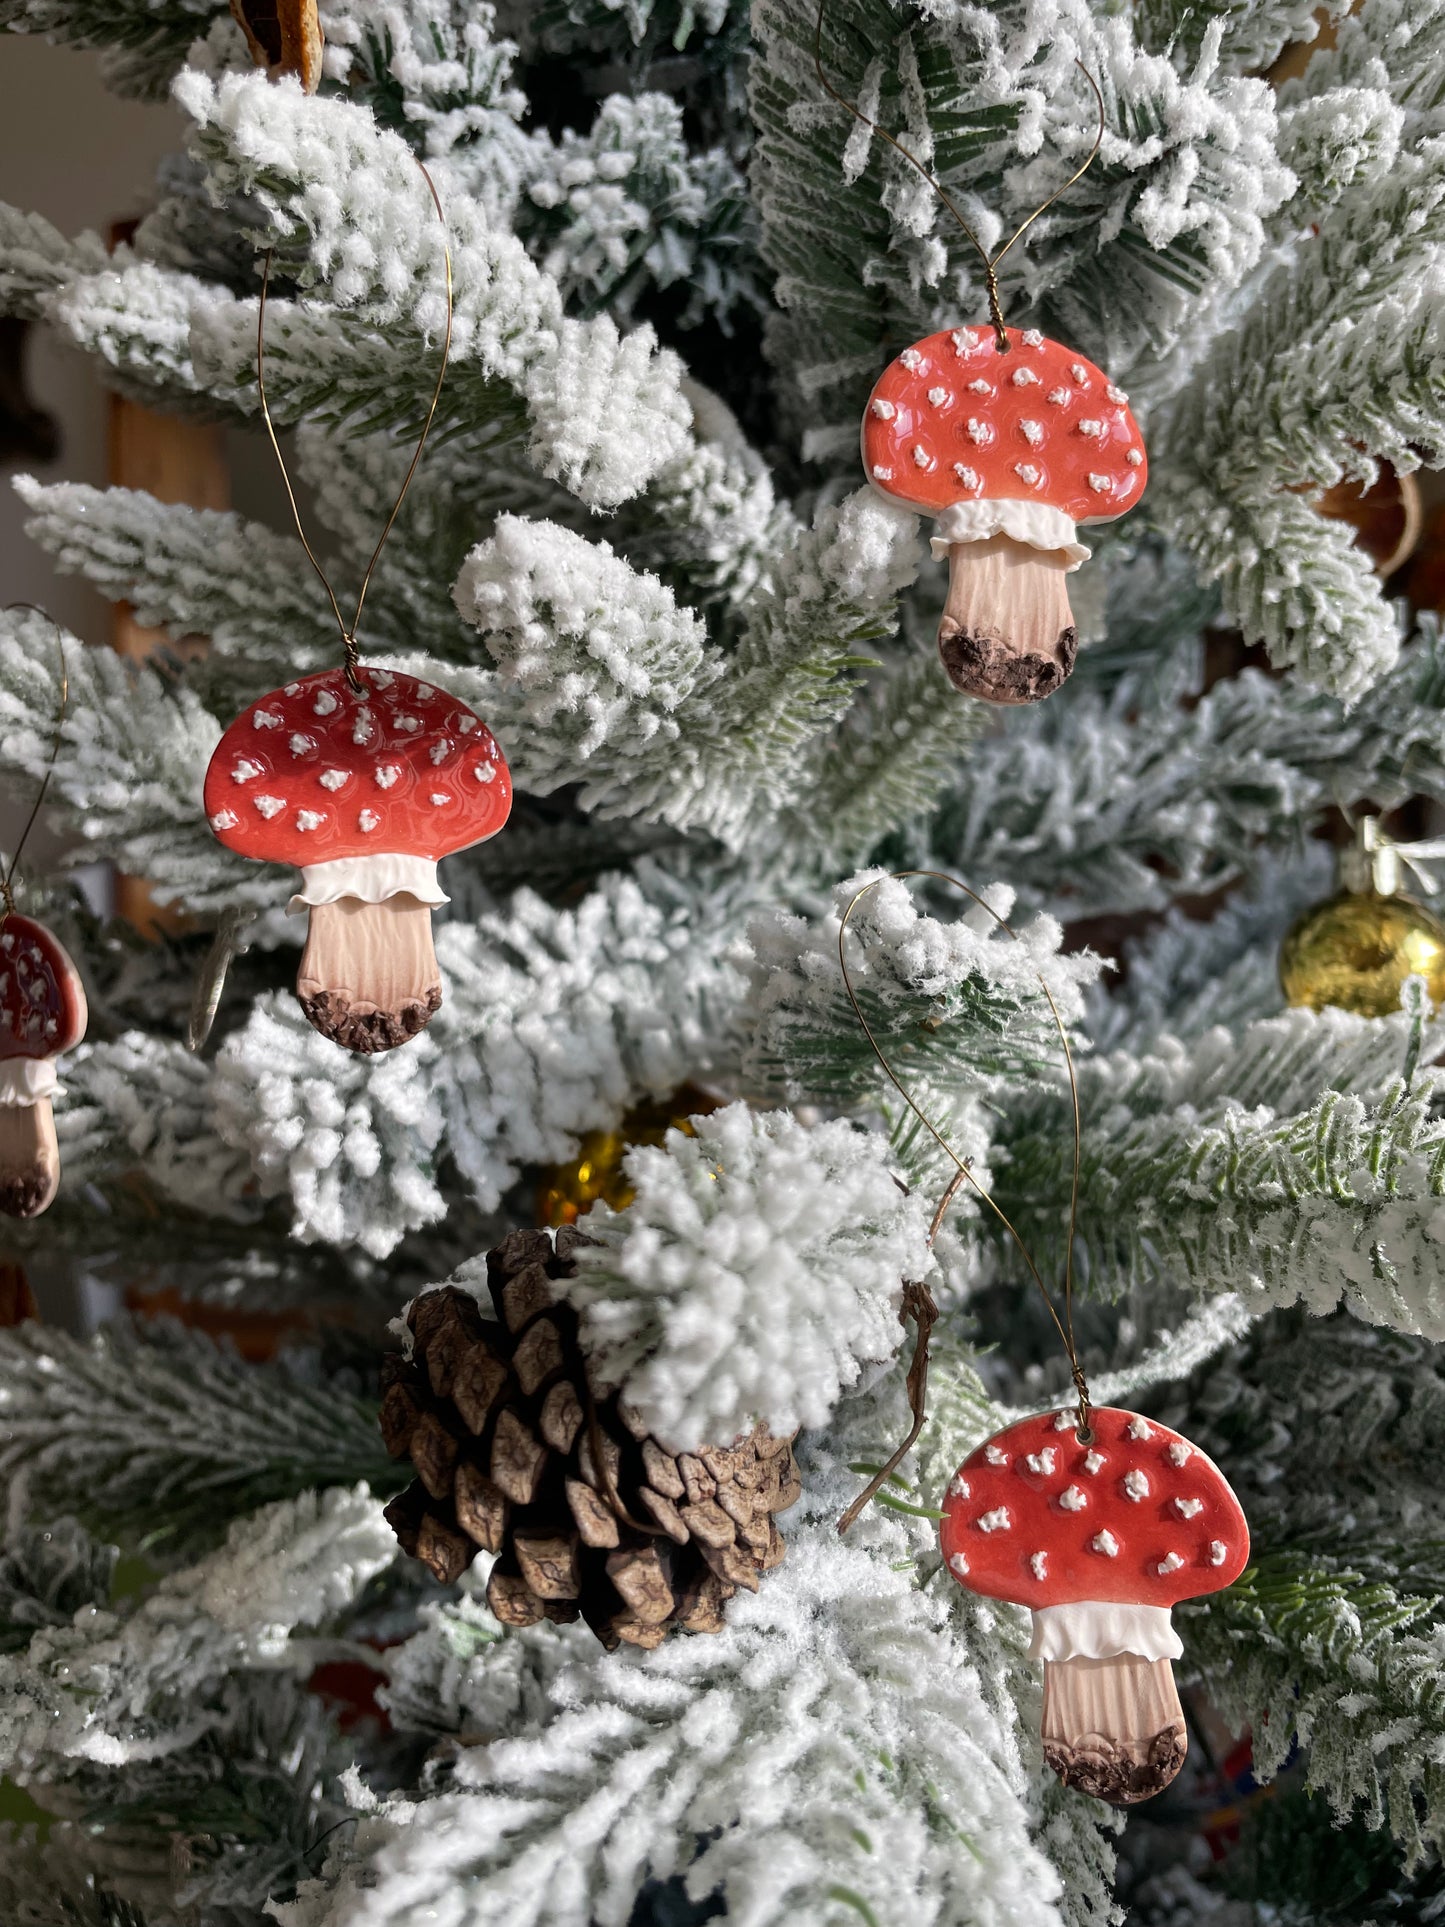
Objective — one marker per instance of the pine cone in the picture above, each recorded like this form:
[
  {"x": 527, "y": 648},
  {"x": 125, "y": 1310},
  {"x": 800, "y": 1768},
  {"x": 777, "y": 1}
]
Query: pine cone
[{"x": 589, "y": 1515}]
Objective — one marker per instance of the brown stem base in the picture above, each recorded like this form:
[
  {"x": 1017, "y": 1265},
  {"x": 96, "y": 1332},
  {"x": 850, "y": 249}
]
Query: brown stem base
[
  {"x": 1007, "y": 632},
  {"x": 1113, "y": 1727},
  {"x": 29, "y": 1159},
  {"x": 369, "y": 978}
]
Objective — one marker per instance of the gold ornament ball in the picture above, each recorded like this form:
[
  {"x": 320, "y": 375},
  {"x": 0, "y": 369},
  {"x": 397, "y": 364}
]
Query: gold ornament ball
[
  {"x": 1357, "y": 950},
  {"x": 570, "y": 1190}
]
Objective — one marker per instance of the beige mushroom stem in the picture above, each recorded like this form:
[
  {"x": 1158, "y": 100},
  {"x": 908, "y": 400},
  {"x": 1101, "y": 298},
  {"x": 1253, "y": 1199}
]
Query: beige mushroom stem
[
  {"x": 1113, "y": 1727},
  {"x": 29, "y": 1158},
  {"x": 369, "y": 978},
  {"x": 1007, "y": 633}
]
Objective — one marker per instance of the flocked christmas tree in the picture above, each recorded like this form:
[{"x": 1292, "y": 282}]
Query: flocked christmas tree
[{"x": 640, "y": 547}]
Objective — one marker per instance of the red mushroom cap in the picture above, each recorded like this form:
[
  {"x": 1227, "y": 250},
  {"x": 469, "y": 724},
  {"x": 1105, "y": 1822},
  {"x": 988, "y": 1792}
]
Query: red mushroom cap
[
  {"x": 42, "y": 1001},
  {"x": 1140, "y": 1517},
  {"x": 313, "y": 772},
  {"x": 953, "y": 419}
]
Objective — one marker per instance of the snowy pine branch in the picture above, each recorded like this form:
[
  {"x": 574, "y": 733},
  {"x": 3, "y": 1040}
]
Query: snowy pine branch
[
  {"x": 155, "y": 1436},
  {"x": 758, "y": 1269}
]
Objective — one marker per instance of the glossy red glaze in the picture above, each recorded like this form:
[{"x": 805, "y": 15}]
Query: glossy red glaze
[
  {"x": 953, "y": 419},
  {"x": 1154, "y": 1509},
  {"x": 313, "y": 772},
  {"x": 42, "y": 1001}
]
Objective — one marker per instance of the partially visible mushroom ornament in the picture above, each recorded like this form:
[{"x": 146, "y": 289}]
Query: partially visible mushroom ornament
[
  {"x": 1012, "y": 442},
  {"x": 1101, "y": 1534},
  {"x": 42, "y": 1014},
  {"x": 363, "y": 789}
]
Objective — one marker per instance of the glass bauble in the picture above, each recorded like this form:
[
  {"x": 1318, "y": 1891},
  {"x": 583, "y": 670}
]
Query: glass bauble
[
  {"x": 569, "y": 1191},
  {"x": 1356, "y": 950}
]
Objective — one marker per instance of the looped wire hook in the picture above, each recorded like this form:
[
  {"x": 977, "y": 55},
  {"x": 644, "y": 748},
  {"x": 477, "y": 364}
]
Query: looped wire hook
[
  {"x": 350, "y": 652},
  {"x": 990, "y": 262},
  {"x": 918, "y": 1301},
  {"x": 7, "y": 881}
]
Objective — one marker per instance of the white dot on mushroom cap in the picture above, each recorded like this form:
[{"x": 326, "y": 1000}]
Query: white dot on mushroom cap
[
  {"x": 981, "y": 387},
  {"x": 381, "y": 678},
  {"x": 364, "y": 727},
  {"x": 1136, "y": 1485},
  {"x": 424, "y": 692},
  {"x": 968, "y": 477},
  {"x": 1218, "y": 1552},
  {"x": 485, "y": 772},
  {"x": 995, "y": 1521},
  {"x": 325, "y": 704},
  {"x": 882, "y": 474},
  {"x": 883, "y": 410},
  {"x": 1042, "y": 1462},
  {"x": 1139, "y": 1428},
  {"x": 1080, "y": 374},
  {"x": 995, "y": 1455},
  {"x": 1032, "y": 338},
  {"x": 921, "y": 456},
  {"x": 1179, "y": 1453},
  {"x": 269, "y": 806},
  {"x": 1092, "y": 1462},
  {"x": 958, "y": 1486},
  {"x": 224, "y": 820},
  {"x": 911, "y": 360},
  {"x": 1022, "y": 377},
  {"x": 310, "y": 819},
  {"x": 1058, "y": 396},
  {"x": 1100, "y": 484},
  {"x": 1189, "y": 1508},
  {"x": 244, "y": 771},
  {"x": 439, "y": 797},
  {"x": 964, "y": 340},
  {"x": 332, "y": 779},
  {"x": 368, "y": 819},
  {"x": 1039, "y": 1565},
  {"x": 1072, "y": 1499},
  {"x": 386, "y": 774},
  {"x": 1116, "y": 395},
  {"x": 1134, "y": 458},
  {"x": 441, "y": 750},
  {"x": 1027, "y": 474},
  {"x": 937, "y": 397},
  {"x": 300, "y": 744},
  {"x": 1171, "y": 1562},
  {"x": 977, "y": 431},
  {"x": 265, "y": 719},
  {"x": 957, "y": 1563},
  {"x": 1032, "y": 432},
  {"x": 1106, "y": 1543},
  {"x": 1065, "y": 1421},
  {"x": 466, "y": 724},
  {"x": 408, "y": 725},
  {"x": 1090, "y": 427},
  {"x": 291, "y": 689}
]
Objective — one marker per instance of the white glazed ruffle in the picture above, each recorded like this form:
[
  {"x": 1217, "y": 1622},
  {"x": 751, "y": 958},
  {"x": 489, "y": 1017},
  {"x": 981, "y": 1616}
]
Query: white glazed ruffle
[
  {"x": 24, "y": 1080},
  {"x": 1102, "y": 1628},
  {"x": 371, "y": 878},
  {"x": 1035, "y": 523}
]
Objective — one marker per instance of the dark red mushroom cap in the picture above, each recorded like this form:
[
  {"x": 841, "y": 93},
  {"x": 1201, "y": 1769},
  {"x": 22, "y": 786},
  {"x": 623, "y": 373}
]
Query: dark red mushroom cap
[
  {"x": 1139, "y": 1517},
  {"x": 953, "y": 419},
  {"x": 313, "y": 773},
  {"x": 42, "y": 1001}
]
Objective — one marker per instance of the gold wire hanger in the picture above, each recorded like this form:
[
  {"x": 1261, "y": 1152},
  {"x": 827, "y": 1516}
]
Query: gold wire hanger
[
  {"x": 7, "y": 882},
  {"x": 990, "y": 262},
  {"x": 348, "y": 631},
  {"x": 918, "y": 1302}
]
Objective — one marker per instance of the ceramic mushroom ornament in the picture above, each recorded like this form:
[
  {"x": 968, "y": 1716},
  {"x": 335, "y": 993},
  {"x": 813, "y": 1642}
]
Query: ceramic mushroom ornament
[
  {"x": 42, "y": 1014},
  {"x": 1011, "y": 448},
  {"x": 1100, "y": 1536},
  {"x": 363, "y": 790}
]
